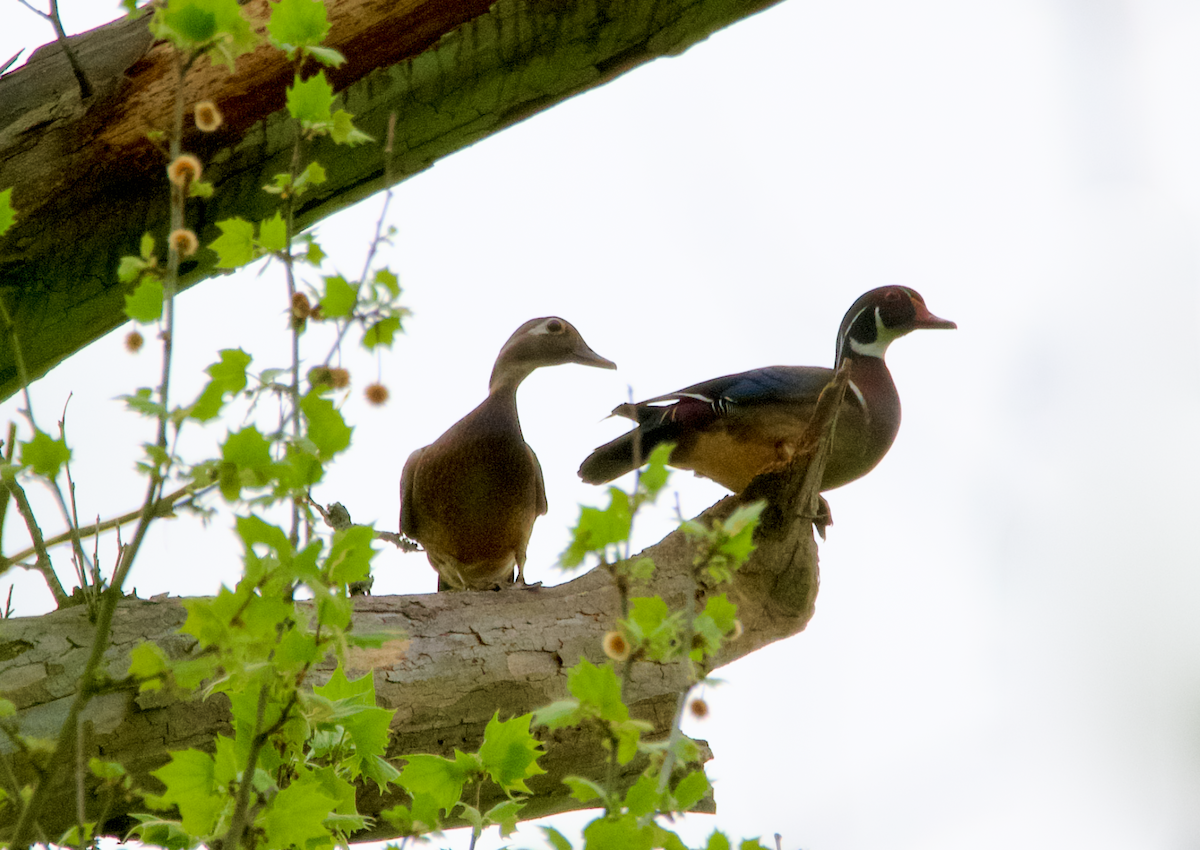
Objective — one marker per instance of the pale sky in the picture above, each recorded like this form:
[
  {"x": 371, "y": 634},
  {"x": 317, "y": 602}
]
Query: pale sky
[{"x": 1006, "y": 649}]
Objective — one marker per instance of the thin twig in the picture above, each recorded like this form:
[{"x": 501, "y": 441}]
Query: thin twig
[
  {"x": 43, "y": 558},
  {"x": 9, "y": 447},
  {"x": 85, "y": 87},
  {"x": 162, "y": 508},
  {"x": 80, "y": 810}
]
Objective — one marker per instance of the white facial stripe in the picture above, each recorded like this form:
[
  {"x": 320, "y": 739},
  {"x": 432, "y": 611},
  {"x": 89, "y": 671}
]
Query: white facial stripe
[
  {"x": 884, "y": 337},
  {"x": 696, "y": 396}
]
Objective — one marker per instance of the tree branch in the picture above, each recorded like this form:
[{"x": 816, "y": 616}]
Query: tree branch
[{"x": 452, "y": 71}]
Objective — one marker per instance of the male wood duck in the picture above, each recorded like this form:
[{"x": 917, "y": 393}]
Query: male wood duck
[
  {"x": 732, "y": 428},
  {"x": 471, "y": 497}
]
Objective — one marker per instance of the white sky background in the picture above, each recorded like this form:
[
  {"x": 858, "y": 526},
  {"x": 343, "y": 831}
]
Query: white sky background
[{"x": 1006, "y": 649}]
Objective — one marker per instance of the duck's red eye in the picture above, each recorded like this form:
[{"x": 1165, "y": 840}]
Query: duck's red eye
[{"x": 554, "y": 326}]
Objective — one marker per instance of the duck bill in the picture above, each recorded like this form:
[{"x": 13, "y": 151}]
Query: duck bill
[
  {"x": 586, "y": 357},
  {"x": 925, "y": 319}
]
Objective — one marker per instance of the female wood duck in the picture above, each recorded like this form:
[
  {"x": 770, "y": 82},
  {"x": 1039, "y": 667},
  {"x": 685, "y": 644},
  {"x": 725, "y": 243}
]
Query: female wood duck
[
  {"x": 732, "y": 428},
  {"x": 471, "y": 497}
]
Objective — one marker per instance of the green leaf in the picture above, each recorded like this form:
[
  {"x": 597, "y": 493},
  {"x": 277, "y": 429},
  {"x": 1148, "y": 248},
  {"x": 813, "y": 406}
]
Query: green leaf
[
  {"x": 642, "y": 798},
  {"x": 105, "y": 769},
  {"x": 652, "y": 625},
  {"x": 381, "y": 333},
  {"x": 235, "y": 246},
  {"x": 44, "y": 454},
  {"x": 717, "y": 841},
  {"x": 272, "y": 233},
  {"x": 146, "y": 247},
  {"x": 227, "y": 377},
  {"x": 618, "y": 834},
  {"x": 145, "y": 303},
  {"x": 326, "y": 427},
  {"x": 360, "y": 691},
  {"x": 200, "y": 189},
  {"x": 343, "y": 131},
  {"x": 311, "y": 101},
  {"x": 188, "y": 777},
  {"x": 297, "y": 23},
  {"x": 558, "y": 714},
  {"x": 584, "y": 790},
  {"x": 510, "y": 752},
  {"x": 214, "y": 25},
  {"x": 167, "y": 834},
  {"x": 297, "y": 814},
  {"x": 691, "y": 790},
  {"x": 350, "y": 555},
  {"x": 339, "y": 299},
  {"x": 557, "y": 840},
  {"x": 654, "y": 477},
  {"x": 129, "y": 269},
  {"x": 326, "y": 56},
  {"x": 143, "y": 402},
  {"x": 752, "y": 844},
  {"x": 505, "y": 816},
  {"x": 387, "y": 279},
  {"x": 8, "y": 215},
  {"x": 437, "y": 780},
  {"x": 598, "y": 529},
  {"x": 246, "y": 458},
  {"x": 147, "y": 661},
  {"x": 313, "y": 174},
  {"x": 599, "y": 689}
]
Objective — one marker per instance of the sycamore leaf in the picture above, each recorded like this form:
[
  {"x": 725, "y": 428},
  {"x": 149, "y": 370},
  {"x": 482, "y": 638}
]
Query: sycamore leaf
[
  {"x": 382, "y": 333},
  {"x": 326, "y": 427},
  {"x": 599, "y": 689},
  {"x": 296, "y": 816},
  {"x": 598, "y": 529},
  {"x": 343, "y": 131},
  {"x": 44, "y": 454},
  {"x": 339, "y": 299},
  {"x": 557, "y": 840},
  {"x": 510, "y": 752},
  {"x": 235, "y": 246},
  {"x": 145, "y": 303},
  {"x": 691, "y": 790},
  {"x": 272, "y": 233},
  {"x": 227, "y": 377},
  {"x": 311, "y": 101},
  {"x": 188, "y": 777},
  {"x": 297, "y": 23},
  {"x": 350, "y": 555}
]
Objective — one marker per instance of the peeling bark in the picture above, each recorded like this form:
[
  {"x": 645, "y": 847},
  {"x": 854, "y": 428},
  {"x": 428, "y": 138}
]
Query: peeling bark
[{"x": 85, "y": 177}]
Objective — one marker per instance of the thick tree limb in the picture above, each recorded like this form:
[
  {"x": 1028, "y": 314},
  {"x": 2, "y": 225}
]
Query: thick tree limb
[
  {"x": 466, "y": 656},
  {"x": 87, "y": 183}
]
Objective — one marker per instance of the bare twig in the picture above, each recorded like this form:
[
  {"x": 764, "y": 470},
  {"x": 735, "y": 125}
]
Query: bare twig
[
  {"x": 43, "y": 558},
  {"x": 164, "y": 507},
  {"x": 9, "y": 446},
  {"x": 55, "y": 19}
]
